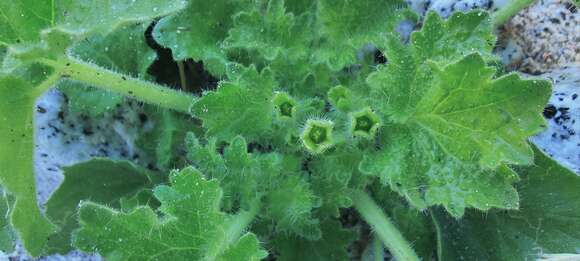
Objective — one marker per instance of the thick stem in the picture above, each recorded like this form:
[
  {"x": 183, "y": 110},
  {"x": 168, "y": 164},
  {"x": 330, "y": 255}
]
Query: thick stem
[
  {"x": 505, "y": 13},
  {"x": 46, "y": 84},
  {"x": 119, "y": 83},
  {"x": 383, "y": 227}
]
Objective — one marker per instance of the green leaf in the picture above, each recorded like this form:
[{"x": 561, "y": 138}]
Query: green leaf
[
  {"x": 446, "y": 41},
  {"x": 17, "y": 174},
  {"x": 269, "y": 31},
  {"x": 241, "y": 106},
  {"x": 197, "y": 32},
  {"x": 22, "y": 20},
  {"x": 547, "y": 222},
  {"x": 291, "y": 205},
  {"x": 102, "y": 181},
  {"x": 414, "y": 165},
  {"x": 331, "y": 179},
  {"x": 103, "y": 17},
  {"x": 332, "y": 246},
  {"x": 476, "y": 118},
  {"x": 458, "y": 123},
  {"x": 191, "y": 228},
  {"x": 345, "y": 30},
  {"x": 407, "y": 75},
  {"x": 123, "y": 50}
]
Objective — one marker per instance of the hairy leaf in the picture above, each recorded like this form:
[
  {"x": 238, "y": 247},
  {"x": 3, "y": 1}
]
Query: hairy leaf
[
  {"x": 453, "y": 126},
  {"x": 102, "y": 181},
  {"x": 241, "y": 106},
  {"x": 346, "y": 29},
  {"x": 192, "y": 226}
]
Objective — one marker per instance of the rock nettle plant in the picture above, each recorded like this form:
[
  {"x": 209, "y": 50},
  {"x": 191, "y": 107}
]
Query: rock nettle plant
[{"x": 303, "y": 129}]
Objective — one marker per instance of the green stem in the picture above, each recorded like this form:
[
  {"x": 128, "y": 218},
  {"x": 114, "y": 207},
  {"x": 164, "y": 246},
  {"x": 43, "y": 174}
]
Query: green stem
[
  {"x": 378, "y": 250},
  {"x": 439, "y": 234},
  {"x": 46, "y": 84},
  {"x": 505, "y": 13},
  {"x": 383, "y": 227},
  {"x": 234, "y": 230},
  {"x": 241, "y": 221},
  {"x": 119, "y": 83}
]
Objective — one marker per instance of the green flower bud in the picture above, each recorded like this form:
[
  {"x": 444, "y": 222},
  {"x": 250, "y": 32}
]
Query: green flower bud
[
  {"x": 317, "y": 135},
  {"x": 365, "y": 123},
  {"x": 285, "y": 105}
]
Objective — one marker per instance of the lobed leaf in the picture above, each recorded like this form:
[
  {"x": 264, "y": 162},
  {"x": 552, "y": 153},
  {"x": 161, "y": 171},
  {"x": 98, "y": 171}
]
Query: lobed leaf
[
  {"x": 345, "y": 30},
  {"x": 240, "y": 106},
  {"x": 100, "y": 180},
  {"x": 453, "y": 126},
  {"x": 192, "y": 226}
]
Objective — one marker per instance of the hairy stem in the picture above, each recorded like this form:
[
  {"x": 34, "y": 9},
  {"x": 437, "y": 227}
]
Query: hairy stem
[
  {"x": 46, "y": 84},
  {"x": 505, "y": 13},
  {"x": 383, "y": 227},
  {"x": 235, "y": 228},
  {"x": 144, "y": 91}
]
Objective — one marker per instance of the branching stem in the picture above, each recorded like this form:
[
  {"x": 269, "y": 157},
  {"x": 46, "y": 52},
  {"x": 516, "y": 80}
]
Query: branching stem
[{"x": 383, "y": 227}]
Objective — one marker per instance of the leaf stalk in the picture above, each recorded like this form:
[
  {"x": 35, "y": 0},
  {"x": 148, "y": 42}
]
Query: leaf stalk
[
  {"x": 74, "y": 69},
  {"x": 383, "y": 227}
]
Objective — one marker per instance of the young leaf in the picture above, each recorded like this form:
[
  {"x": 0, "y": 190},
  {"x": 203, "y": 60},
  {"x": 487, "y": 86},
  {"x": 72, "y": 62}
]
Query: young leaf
[
  {"x": 241, "y": 106},
  {"x": 345, "y": 30},
  {"x": 16, "y": 174},
  {"x": 446, "y": 41},
  {"x": 270, "y": 33},
  {"x": 192, "y": 227},
  {"x": 291, "y": 205},
  {"x": 547, "y": 222},
  {"x": 332, "y": 177},
  {"x": 102, "y": 181}
]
